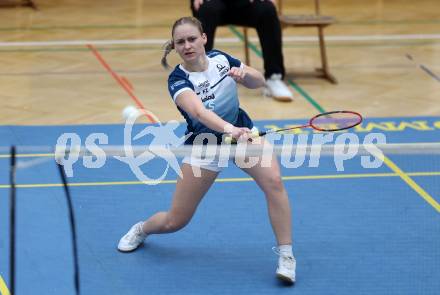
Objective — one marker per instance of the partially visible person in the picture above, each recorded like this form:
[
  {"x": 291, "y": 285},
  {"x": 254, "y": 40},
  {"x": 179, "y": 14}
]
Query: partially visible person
[{"x": 259, "y": 14}]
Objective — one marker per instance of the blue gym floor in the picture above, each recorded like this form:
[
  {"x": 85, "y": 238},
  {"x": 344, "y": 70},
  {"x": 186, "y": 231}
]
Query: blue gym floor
[{"x": 360, "y": 231}]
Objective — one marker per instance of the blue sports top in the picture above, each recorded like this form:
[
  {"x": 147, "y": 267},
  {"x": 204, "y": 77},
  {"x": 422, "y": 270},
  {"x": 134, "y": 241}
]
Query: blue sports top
[{"x": 215, "y": 88}]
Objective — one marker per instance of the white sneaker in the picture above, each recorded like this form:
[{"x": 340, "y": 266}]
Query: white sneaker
[
  {"x": 276, "y": 88},
  {"x": 132, "y": 239},
  {"x": 286, "y": 270}
]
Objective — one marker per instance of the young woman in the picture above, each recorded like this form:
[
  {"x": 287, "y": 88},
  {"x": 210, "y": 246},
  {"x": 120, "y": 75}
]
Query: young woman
[{"x": 204, "y": 89}]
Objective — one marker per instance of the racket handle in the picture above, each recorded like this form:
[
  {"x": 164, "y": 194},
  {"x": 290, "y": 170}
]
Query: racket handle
[
  {"x": 254, "y": 134},
  {"x": 230, "y": 140}
]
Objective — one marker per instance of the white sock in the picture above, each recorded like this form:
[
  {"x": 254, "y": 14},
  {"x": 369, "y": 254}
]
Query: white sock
[
  {"x": 141, "y": 229},
  {"x": 285, "y": 250}
]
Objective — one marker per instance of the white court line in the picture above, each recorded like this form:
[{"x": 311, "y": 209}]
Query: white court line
[{"x": 406, "y": 37}]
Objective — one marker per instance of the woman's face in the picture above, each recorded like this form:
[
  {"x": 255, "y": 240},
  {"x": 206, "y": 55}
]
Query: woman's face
[{"x": 189, "y": 42}]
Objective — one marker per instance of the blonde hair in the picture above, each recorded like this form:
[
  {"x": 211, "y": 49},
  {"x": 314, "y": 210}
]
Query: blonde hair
[{"x": 169, "y": 45}]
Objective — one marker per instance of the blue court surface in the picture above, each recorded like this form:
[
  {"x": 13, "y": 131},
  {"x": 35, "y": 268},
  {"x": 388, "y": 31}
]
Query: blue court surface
[{"x": 357, "y": 231}]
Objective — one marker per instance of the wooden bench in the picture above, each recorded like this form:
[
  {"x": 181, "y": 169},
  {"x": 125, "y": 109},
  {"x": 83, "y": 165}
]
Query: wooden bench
[{"x": 311, "y": 20}]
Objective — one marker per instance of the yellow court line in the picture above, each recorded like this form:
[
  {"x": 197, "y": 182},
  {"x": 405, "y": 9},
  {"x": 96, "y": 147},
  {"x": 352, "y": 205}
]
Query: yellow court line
[
  {"x": 3, "y": 288},
  {"x": 237, "y": 179},
  {"x": 423, "y": 173},
  {"x": 405, "y": 177}
]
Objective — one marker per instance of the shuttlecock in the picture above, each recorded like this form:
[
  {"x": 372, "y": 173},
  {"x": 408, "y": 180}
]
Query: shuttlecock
[{"x": 130, "y": 112}]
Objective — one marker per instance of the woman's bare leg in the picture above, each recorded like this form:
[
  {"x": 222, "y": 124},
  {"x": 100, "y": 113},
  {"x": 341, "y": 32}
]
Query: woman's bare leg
[
  {"x": 187, "y": 196},
  {"x": 269, "y": 180}
]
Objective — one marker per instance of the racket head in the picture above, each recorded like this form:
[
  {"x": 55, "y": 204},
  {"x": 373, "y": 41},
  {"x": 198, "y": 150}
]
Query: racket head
[{"x": 335, "y": 120}]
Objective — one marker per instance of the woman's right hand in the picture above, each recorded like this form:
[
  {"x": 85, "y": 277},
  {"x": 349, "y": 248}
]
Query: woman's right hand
[{"x": 239, "y": 133}]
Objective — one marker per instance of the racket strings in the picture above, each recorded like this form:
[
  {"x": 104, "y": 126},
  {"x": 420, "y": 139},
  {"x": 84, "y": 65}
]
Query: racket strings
[{"x": 334, "y": 121}]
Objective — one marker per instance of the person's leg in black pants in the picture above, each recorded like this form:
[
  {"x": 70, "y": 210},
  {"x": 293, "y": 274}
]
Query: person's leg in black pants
[
  {"x": 262, "y": 16},
  {"x": 269, "y": 32},
  {"x": 210, "y": 14}
]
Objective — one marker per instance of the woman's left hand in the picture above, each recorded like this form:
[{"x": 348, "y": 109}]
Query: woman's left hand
[{"x": 238, "y": 74}]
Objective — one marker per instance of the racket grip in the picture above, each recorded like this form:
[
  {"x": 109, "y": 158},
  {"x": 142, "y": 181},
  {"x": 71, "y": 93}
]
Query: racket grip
[
  {"x": 254, "y": 133},
  {"x": 230, "y": 140}
]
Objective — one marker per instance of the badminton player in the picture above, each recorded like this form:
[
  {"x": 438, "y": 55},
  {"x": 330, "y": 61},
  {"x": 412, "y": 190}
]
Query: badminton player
[{"x": 204, "y": 89}]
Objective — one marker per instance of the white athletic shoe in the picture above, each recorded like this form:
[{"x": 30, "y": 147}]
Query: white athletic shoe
[
  {"x": 132, "y": 239},
  {"x": 276, "y": 88},
  {"x": 286, "y": 270}
]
